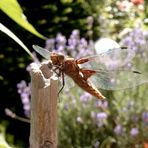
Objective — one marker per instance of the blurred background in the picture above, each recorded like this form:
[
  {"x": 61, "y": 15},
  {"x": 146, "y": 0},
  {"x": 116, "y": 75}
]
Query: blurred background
[{"x": 74, "y": 27}]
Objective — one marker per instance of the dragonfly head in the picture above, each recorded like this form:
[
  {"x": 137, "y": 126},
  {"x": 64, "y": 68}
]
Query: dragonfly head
[{"x": 57, "y": 59}]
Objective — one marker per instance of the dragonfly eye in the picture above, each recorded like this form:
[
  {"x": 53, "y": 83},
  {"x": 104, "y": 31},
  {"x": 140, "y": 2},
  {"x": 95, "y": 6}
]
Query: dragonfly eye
[
  {"x": 57, "y": 59},
  {"x": 61, "y": 57}
]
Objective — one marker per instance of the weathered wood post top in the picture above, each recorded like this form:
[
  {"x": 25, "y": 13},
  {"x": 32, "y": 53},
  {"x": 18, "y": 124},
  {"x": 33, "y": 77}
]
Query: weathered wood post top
[{"x": 44, "y": 90}]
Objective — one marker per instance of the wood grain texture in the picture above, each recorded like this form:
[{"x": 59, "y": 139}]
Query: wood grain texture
[{"x": 44, "y": 90}]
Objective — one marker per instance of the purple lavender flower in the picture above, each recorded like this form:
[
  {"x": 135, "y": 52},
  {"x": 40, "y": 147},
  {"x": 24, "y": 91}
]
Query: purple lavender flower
[
  {"x": 118, "y": 130},
  {"x": 74, "y": 40},
  {"x": 101, "y": 115},
  {"x": 76, "y": 33},
  {"x": 74, "y": 46},
  {"x": 50, "y": 44},
  {"x": 66, "y": 106},
  {"x": 85, "y": 98},
  {"x": 101, "y": 104},
  {"x": 145, "y": 118},
  {"x": 60, "y": 42},
  {"x": 134, "y": 132},
  {"x": 136, "y": 40},
  {"x": 96, "y": 145},
  {"x": 60, "y": 39},
  {"x": 24, "y": 92},
  {"x": 83, "y": 43},
  {"x": 100, "y": 118}
]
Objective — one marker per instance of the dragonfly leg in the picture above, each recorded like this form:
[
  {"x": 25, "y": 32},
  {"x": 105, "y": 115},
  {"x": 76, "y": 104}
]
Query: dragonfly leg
[
  {"x": 57, "y": 72},
  {"x": 63, "y": 83}
]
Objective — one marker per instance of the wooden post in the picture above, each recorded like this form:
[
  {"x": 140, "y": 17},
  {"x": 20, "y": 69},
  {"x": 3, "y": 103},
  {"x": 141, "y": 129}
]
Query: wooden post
[{"x": 44, "y": 86}]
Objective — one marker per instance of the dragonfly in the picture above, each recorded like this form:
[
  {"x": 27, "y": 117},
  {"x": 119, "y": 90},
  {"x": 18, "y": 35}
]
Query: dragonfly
[{"x": 111, "y": 70}]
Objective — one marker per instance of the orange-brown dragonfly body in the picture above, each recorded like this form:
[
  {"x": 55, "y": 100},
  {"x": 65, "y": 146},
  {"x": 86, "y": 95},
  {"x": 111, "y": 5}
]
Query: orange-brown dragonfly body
[
  {"x": 109, "y": 71},
  {"x": 70, "y": 67}
]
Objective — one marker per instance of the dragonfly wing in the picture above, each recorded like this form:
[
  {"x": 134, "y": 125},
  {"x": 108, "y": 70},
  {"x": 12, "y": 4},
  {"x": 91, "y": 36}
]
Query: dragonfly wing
[
  {"x": 110, "y": 60},
  {"x": 115, "y": 69},
  {"x": 119, "y": 79},
  {"x": 43, "y": 52},
  {"x": 68, "y": 83}
]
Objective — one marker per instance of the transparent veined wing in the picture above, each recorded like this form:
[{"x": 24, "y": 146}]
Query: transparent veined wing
[
  {"x": 115, "y": 70},
  {"x": 42, "y": 51},
  {"x": 110, "y": 60},
  {"x": 117, "y": 79}
]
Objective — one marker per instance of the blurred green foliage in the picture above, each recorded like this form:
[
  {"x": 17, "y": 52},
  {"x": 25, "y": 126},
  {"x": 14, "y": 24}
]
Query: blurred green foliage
[
  {"x": 14, "y": 11},
  {"x": 81, "y": 124}
]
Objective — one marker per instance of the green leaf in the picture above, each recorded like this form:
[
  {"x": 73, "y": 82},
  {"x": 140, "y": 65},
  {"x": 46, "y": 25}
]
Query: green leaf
[
  {"x": 3, "y": 143},
  {"x": 15, "y": 38},
  {"x": 14, "y": 11}
]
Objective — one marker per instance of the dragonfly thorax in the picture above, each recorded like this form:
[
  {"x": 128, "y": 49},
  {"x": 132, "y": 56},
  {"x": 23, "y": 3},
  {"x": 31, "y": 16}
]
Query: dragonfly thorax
[{"x": 70, "y": 66}]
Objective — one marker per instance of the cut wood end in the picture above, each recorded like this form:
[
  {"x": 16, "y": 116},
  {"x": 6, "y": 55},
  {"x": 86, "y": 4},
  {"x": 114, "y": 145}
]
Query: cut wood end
[
  {"x": 34, "y": 67},
  {"x": 46, "y": 69},
  {"x": 54, "y": 77},
  {"x": 42, "y": 74}
]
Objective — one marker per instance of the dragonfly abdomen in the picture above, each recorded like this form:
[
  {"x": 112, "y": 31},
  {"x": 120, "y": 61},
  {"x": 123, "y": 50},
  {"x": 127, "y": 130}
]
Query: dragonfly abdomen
[{"x": 87, "y": 86}]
